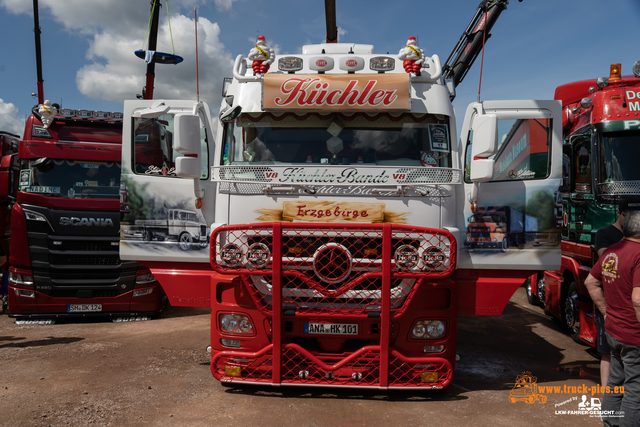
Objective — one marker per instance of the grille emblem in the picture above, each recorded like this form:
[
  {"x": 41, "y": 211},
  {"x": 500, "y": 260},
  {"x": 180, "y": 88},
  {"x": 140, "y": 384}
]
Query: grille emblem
[{"x": 332, "y": 263}]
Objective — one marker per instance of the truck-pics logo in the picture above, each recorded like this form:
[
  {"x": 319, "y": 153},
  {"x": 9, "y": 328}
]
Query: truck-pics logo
[
  {"x": 89, "y": 222},
  {"x": 526, "y": 390}
]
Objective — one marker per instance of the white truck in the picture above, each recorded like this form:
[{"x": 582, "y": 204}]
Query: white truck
[{"x": 336, "y": 196}]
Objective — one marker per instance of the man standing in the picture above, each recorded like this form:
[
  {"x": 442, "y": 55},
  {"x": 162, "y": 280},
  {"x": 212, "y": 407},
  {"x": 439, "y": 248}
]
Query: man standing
[
  {"x": 606, "y": 237},
  {"x": 619, "y": 269}
]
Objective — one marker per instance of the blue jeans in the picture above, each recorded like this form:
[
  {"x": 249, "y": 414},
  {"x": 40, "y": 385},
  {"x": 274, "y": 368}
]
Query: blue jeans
[{"x": 624, "y": 371}]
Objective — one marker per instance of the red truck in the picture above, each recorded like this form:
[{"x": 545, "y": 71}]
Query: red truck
[
  {"x": 65, "y": 223},
  {"x": 8, "y": 146},
  {"x": 601, "y": 131}
]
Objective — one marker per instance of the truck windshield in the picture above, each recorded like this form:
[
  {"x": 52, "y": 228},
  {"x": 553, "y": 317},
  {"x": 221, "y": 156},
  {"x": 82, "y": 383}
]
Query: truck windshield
[
  {"x": 73, "y": 179},
  {"x": 401, "y": 139},
  {"x": 620, "y": 152},
  {"x": 485, "y": 218}
]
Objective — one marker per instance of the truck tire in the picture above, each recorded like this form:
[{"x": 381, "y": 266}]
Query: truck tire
[
  {"x": 185, "y": 241},
  {"x": 505, "y": 244},
  {"x": 533, "y": 299},
  {"x": 541, "y": 290},
  {"x": 571, "y": 312}
]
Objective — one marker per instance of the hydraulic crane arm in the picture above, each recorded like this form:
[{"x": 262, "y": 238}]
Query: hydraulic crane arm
[
  {"x": 471, "y": 41},
  {"x": 330, "y": 14}
]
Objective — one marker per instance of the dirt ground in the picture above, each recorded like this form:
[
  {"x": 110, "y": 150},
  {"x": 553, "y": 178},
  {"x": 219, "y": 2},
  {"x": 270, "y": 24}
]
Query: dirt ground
[{"x": 156, "y": 373}]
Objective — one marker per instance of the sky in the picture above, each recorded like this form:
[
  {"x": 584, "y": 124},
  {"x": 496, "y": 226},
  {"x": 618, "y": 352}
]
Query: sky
[{"x": 88, "y": 47}]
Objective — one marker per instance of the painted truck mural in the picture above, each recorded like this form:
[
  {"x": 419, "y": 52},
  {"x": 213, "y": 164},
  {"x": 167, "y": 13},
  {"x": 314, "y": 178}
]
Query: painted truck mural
[{"x": 500, "y": 227}]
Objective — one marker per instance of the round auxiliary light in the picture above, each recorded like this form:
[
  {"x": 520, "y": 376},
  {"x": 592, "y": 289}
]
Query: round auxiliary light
[
  {"x": 602, "y": 82},
  {"x": 586, "y": 102},
  {"x": 636, "y": 69},
  {"x": 407, "y": 258},
  {"x": 231, "y": 255},
  {"x": 258, "y": 255},
  {"x": 434, "y": 259}
]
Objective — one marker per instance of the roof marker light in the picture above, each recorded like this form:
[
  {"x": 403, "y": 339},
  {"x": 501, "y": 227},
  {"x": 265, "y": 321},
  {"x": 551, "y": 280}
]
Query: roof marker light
[
  {"x": 84, "y": 114},
  {"x": 382, "y": 63},
  {"x": 101, "y": 115},
  {"x": 602, "y": 82},
  {"x": 636, "y": 69},
  {"x": 65, "y": 112},
  {"x": 290, "y": 64},
  {"x": 615, "y": 73},
  {"x": 586, "y": 102}
]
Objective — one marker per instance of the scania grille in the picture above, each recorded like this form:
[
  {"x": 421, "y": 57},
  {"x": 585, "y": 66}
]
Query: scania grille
[
  {"x": 332, "y": 268},
  {"x": 57, "y": 260},
  {"x": 81, "y": 245}
]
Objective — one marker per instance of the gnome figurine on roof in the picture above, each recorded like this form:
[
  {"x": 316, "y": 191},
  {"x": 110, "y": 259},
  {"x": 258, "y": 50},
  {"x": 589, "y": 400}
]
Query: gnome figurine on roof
[
  {"x": 262, "y": 56},
  {"x": 412, "y": 56},
  {"x": 47, "y": 111}
]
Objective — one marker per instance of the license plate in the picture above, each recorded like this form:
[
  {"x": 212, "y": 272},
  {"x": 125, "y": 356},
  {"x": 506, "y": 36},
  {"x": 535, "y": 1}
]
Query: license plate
[
  {"x": 83, "y": 308},
  {"x": 331, "y": 328}
]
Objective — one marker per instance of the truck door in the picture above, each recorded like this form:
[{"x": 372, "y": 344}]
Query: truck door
[
  {"x": 154, "y": 191},
  {"x": 512, "y": 155}
]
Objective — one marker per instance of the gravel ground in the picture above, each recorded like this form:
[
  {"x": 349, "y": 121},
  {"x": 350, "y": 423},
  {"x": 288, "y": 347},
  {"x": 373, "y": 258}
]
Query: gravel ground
[{"x": 156, "y": 373}]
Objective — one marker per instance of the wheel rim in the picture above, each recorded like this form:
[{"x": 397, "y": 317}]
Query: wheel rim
[
  {"x": 528, "y": 288},
  {"x": 185, "y": 241},
  {"x": 570, "y": 310},
  {"x": 541, "y": 289}
]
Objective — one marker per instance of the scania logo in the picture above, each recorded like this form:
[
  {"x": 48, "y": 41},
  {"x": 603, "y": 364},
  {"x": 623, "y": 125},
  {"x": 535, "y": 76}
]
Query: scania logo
[
  {"x": 321, "y": 62},
  {"x": 332, "y": 263},
  {"x": 351, "y": 62},
  {"x": 89, "y": 222}
]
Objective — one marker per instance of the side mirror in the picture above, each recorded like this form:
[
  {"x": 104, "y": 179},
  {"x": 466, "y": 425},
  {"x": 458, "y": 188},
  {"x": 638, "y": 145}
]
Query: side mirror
[
  {"x": 230, "y": 114},
  {"x": 485, "y": 144},
  {"x": 187, "y": 142}
]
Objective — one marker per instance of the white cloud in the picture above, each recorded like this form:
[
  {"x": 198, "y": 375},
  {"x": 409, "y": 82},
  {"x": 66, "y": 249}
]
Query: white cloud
[
  {"x": 9, "y": 119},
  {"x": 117, "y": 74},
  {"x": 224, "y": 5},
  {"x": 117, "y": 28}
]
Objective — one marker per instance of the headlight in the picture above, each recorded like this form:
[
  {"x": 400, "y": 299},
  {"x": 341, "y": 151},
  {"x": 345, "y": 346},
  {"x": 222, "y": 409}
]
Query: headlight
[
  {"x": 20, "y": 279},
  {"x": 145, "y": 279},
  {"x": 231, "y": 323},
  {"x": 428, "y": 329},
  {"x": 435, "y": 329},
  {"x": 495, "y": 239}
]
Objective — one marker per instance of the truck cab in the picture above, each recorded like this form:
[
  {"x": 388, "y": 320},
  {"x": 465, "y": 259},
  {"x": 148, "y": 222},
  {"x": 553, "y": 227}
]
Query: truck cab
[
  {"x": 66, "y": 220},
  {"x": 601, "y": 131},
  {"x": 337, "y": 196}
]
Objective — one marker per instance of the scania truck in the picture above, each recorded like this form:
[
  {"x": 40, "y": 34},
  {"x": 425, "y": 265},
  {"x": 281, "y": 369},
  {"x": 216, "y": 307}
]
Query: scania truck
[
  {"x": 601, "y": 133},
  {"x": 66, "y": 220},
  {"x": 334, "y": 189}
]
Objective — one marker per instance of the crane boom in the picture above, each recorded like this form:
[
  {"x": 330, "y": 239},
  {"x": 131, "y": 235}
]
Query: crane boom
[{"x": 470, "y": 44}]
